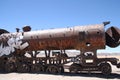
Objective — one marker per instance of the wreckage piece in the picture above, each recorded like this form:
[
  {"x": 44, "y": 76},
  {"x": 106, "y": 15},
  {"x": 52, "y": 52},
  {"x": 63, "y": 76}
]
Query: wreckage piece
[{"x": 113, "y": 37}]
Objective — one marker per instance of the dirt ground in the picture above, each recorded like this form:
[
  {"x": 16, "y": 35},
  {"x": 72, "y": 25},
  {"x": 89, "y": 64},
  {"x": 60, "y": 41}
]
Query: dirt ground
[{"x": 64, "y": 76}]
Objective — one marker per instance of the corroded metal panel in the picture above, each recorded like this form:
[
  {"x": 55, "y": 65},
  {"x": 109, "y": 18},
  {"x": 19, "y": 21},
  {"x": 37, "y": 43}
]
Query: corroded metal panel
[{"x": 78, "y": 37}]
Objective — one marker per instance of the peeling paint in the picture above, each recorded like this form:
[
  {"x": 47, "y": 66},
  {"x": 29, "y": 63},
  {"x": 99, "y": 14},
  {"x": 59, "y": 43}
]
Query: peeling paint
[{"x": 14, "y": 42}]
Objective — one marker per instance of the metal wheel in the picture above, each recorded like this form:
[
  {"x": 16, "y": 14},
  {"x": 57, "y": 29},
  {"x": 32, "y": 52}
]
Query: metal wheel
[
  {"x": 74, "y": 68},
  {"x": 23, "y": 68},
  {"x": 62, "y": 69},
  {"x": 37, "y": 68},
  {"x": 105, "y": 68},
  {"x": 53, "y": 69},
  {"x": 10, "y": 67}
]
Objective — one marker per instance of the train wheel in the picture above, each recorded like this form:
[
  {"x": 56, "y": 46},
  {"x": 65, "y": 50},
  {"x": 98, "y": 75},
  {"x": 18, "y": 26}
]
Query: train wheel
[
  {"x": 62, "y": 69},
  {"x": 10, "y": 67},
  {"x": 41, "y": 68},
  {"x": 23, "y": 68},
  {"x": 105, "y": 68},
  {"x": 74, "y": 68},
  {"x": 53, "y": 69},
  {"x": 37, "y": 68}
]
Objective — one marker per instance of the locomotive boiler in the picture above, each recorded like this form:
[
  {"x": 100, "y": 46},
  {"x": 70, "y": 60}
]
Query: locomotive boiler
[{"x": 88, "y": 39}]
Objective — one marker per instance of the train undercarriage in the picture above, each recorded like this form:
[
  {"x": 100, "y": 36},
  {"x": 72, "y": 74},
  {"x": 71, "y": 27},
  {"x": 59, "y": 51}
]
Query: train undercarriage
[{"x": 54, "y": 62}]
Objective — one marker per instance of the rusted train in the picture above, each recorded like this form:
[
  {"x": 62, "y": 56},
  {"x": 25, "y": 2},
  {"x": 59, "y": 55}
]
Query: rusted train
[{"x": 87, "y": 39}]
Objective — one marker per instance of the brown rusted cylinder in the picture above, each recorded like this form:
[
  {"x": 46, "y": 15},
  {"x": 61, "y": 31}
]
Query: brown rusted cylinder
[
  {"x": 84, "y": 38},
  {"x": 78, "y": 37}
]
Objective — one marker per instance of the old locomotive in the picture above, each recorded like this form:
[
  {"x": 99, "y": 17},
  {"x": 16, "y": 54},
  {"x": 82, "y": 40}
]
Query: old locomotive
[{"x": 53, "y": 44}]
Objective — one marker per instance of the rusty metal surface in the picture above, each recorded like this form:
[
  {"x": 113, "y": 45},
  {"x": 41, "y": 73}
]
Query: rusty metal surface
[
  {"x": 26, "y": 28},
  {"x": 113, "y": 37},
  {"x": 79, "y": 37},
  {"x": 3, "y": 31},
  {"x": 84, "y": 38}
]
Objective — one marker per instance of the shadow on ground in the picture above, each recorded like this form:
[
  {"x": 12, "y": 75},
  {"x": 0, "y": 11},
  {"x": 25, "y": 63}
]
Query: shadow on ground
[{"x": 97, "y": 75}]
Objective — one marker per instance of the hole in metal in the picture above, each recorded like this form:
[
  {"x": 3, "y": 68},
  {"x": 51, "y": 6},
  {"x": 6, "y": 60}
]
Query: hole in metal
[{"x": 88, "y": 44}]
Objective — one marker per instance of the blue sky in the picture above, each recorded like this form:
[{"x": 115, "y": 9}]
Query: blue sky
[{"x": 46, "y": 14}]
